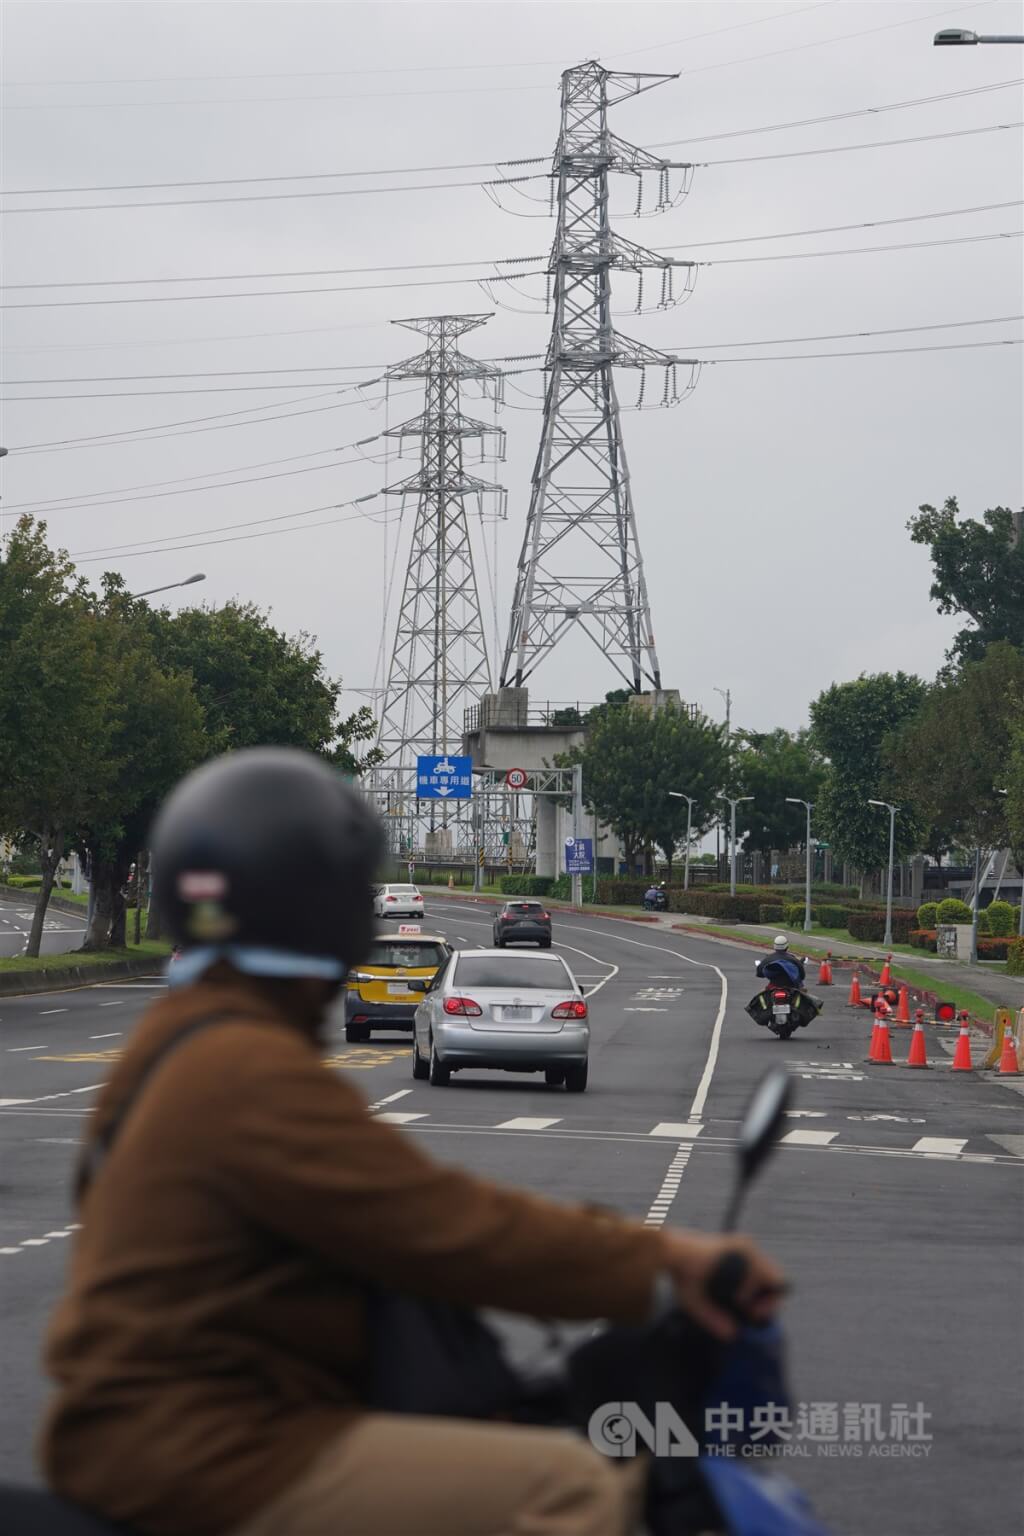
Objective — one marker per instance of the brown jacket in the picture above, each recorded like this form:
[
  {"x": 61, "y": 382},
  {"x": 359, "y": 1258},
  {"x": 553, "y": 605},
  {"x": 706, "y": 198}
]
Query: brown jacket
[{"x": 211, "y": 1338}]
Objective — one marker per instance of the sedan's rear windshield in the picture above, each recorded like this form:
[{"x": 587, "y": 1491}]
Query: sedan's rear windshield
[
  {"x": 403, "y": 890},
  {"x": 410, "y": 956},
  {"x": 532, "y": 907},
  {"x": 517, "y": 972}
]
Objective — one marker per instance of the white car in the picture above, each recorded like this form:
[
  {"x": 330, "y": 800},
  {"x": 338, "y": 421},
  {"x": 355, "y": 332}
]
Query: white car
[{"x": 397, "y": 901}]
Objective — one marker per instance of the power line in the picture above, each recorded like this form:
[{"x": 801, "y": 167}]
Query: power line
[
  {"x": 430, "y": 266},
  {"x": 796, "y": 357},
  {"x": 105, "y": 550},
  {"x": 867, "y": 250},
  {"x": 271, "y": 293},
  {"x": 484, "y": 165},
  {"x": 842, "y": 149},
  {"x": 237, "y": 538},
  {"x": 418, "y": 69}
]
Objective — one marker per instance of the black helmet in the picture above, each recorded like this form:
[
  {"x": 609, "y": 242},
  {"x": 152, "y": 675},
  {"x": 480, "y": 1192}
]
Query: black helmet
[{"x": 268, "y": 847}]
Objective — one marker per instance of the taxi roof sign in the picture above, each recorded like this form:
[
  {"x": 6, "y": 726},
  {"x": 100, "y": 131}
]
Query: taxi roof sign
[{"x": 410, "y": 928}]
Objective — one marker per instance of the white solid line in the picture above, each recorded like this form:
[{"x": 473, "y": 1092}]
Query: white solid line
[
  {"x": 391, "y": 1098},
  {"x": 809, "y": 1138},
  {"x": 14, "y": 1049},
  {"x": 525, "y": 1123},
  {"x": 44, "y": 1011},
  {"x": 112, "y": 1036},
  {"x": 939, "y": 1144},
  {"x": 398, "y": 1117},
  {"x": 677, "y": 1129},
  {"x": 117, "y": 1004}
]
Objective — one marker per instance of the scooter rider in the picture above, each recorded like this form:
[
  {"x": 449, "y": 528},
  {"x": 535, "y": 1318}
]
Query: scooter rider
[
  {"x": 782, "y": 967},
  {"x": 210, "y": 1349}
]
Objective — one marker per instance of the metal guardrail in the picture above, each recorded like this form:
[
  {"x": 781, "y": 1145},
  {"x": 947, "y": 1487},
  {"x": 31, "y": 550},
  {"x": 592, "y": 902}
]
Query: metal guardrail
[{"x": 551, "y": 714}]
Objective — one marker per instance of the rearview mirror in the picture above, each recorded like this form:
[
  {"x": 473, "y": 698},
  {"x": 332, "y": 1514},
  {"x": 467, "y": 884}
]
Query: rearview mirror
[{"x": 762, "y": 1122}]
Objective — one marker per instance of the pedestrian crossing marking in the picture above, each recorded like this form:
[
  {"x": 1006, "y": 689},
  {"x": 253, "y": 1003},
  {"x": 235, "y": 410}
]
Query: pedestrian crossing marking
[
  {"x": 399, "y": 1117},
  {"x": 682, "y": 1130},
  {"x": 949, "y": 1145},
  {"x": 809, "y": 1138},
  {"x": 526, "y": 1123}
]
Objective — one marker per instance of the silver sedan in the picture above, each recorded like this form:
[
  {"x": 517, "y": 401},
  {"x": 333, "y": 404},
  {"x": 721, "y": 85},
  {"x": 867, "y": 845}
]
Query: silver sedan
[{"x": 510, "y": 1011}]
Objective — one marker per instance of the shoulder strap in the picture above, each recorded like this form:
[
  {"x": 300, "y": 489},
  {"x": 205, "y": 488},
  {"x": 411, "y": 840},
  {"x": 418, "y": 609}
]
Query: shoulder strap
[{"x": 96, "y": 1153}]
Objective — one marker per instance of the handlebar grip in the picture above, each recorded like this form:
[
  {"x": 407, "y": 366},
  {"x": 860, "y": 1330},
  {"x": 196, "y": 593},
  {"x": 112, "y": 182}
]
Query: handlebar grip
[{"x": 724, "y": 1283}]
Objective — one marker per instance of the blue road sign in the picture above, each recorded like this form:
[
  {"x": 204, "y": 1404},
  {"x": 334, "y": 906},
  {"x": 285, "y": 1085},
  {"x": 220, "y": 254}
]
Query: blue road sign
[
  {"x": 579, "y": 855},
  {"x": 444, "y": 778}
]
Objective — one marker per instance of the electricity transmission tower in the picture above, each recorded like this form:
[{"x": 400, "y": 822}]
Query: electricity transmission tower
[
  {"x": 580, "y": 562},
  {"x": 439, "y": 663}
]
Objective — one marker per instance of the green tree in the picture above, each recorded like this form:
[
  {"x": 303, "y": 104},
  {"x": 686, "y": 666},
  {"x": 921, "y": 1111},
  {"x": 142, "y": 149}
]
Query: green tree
[
  {"x": 951, "y": 758},
  {"x": 57, "y": 706},
  {"x": 849, "y": 725},
  {"x": 771, "y": 765},
  {"x": 978, "y": 571},
  {"x": 632, "y": 759}
]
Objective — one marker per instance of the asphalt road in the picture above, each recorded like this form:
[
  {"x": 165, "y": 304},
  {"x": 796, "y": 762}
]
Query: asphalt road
[
  {"x": 61, "y": 930},
  {"x": 894, "y": 1203}
]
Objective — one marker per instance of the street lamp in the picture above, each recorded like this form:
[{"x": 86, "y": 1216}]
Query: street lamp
[
  {"x": 732, "y": 804},
  {"x": 956, "y": 37},
  {"x": 726, "y": 694},
  {"x": 809, "y": 805},
  {"x": 892, "y": 809},
  {"x": 188, "y": 582},
  {"x": 690, "y": 802}
]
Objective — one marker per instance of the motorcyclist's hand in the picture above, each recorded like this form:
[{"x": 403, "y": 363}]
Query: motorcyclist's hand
[{"x": 691, "y": 1258}]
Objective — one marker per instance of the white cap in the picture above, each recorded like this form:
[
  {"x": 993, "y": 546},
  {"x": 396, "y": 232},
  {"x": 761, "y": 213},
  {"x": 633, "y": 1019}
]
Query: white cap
[{"x": 781, "y": 942}]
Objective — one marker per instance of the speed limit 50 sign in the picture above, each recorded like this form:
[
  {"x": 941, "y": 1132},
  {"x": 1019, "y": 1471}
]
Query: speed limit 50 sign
[{"x": 516, "y": 778}]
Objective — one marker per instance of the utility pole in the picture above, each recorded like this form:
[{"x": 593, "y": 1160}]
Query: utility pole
[
  {"x": 726, "y": 694},
  {"x": 732, "y": 802},
  {"x": 809, "y": 806},
  {"x": 577, "y": 827},
  {"x": 892, "y": 809},
  {"x": 580, "y": 563}
]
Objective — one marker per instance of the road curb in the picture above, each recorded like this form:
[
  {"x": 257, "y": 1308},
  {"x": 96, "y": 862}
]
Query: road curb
[
  {"x": 27, "y": 898},
  {"x": 68, "y": 978}
]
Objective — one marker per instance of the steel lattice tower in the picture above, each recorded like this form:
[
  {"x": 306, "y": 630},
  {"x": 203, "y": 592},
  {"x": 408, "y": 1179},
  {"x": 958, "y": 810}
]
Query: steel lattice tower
[
  {"x": 439, "y": 663},
  {"x": 580, "y": 560}
]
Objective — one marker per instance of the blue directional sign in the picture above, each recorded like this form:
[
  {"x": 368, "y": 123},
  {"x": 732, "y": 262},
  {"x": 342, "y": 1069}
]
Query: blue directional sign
[
  {"x": 444, "y": 778},
  {"x": 579, "y": 855}
]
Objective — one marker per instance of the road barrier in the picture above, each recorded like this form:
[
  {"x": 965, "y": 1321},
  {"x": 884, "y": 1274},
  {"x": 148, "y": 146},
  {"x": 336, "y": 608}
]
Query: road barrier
[
  {"x": 962, "y": 1054},
  {"x": 918, "y": 1055}
]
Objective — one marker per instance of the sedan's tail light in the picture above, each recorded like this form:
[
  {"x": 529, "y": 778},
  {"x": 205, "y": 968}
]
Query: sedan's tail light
[
  {"x": 545, "y": 917},
  {"x": 463, "y": 1006},
  {"x": 575, "y": 1008},
  {"x": 390, "y": 898},
  {"x": 416, "y": 896}
]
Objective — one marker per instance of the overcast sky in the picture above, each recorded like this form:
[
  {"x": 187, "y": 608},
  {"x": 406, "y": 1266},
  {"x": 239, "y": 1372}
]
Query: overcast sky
[{"x": 771, "y": 504}]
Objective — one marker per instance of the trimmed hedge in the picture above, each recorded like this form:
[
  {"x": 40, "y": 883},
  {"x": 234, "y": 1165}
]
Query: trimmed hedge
[
  {"x": 770, "y": 914},
  {"x": 526, "y": 885},
  {"x": 928, "y": 914},
  {"x": 870, "y": 926},
  {"x": 995, "y": 949},
  {"x": 1015, "y": 957},
  {"x": 924, "y": 938},
  {"x": 742, "y": 909},
  {"x": 1003, "y": 918},
  {"x": 953, "y": 910}
]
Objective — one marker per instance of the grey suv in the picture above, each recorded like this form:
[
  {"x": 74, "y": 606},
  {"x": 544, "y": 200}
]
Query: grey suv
[{"x": 523, "y": 922}]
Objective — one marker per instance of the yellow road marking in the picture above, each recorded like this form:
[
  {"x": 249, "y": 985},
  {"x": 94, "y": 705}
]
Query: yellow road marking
[{"x": 83, "y": 1056}]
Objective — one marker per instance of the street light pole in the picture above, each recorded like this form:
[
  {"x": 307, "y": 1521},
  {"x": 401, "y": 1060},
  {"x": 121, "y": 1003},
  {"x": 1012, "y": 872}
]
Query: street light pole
[
  {"x": 956, "y": 37},
  {"x": 809, "y": 805},
  {"x": 733, "y": 803},
  {"x": 690, "y": 802},
  {"x": 892, "y": 809},
  {"x": 188, "y": 582},
  {"x": 726, "y": 694}
]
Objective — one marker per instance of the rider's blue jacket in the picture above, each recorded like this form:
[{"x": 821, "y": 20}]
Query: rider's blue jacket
[{"x": 783, "y": 968}]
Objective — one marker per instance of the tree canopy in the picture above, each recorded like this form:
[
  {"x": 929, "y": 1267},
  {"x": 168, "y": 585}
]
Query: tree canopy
[
  {"x": 770, "y": 765},
  {"x": 978, "y": 570}
]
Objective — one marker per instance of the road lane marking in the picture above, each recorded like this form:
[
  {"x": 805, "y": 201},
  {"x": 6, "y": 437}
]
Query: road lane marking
[
  {"x": 113, "y": 1033},
  {"x": 44, "y": 1011},
  {"x": 645, "y": 1010},
  {"x": 46, "y": 1097},
  {"x": 400, "y": 1117},
  {"x": 116, "y": 1004},
  {"x": 809, "y": 1138},
  {"x": 14, "y": 1049},
  {"x": 676, "y": 1129},
  {"x": 1012, "y": 1144},
  {"x": 401, "y": 1094},
  {"x": 40, "y": 1242},
  {"x": 945, "y": 1144},
  {"x": 526, "y": 1123},
  {"x": 662, "y": 1202}
]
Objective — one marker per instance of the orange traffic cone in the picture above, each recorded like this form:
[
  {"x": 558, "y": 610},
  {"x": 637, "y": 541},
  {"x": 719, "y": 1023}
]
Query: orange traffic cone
[
  {"x": 1008, "y": 1060},
  {"x": 918, "y": 1056},
  {"x": 885, "y": 980},
  {"x": 825, "y": 971},
  {"x": 451, "y": 882},
  {"x": 854, "y": 999},
  {"x": 880, "y": 1054},
  {"x": 903, "y": 1011},
  {"x": 962, "y": 1054}
]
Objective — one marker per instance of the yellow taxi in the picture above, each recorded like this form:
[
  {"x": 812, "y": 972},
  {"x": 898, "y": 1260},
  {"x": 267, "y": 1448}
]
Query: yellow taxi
[{"x": 378, "y": 995}]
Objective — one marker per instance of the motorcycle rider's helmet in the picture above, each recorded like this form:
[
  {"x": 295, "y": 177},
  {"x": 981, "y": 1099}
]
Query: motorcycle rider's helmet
[
  {"x": 781, "y": 942},
  {"x": 267, "y": 852}
]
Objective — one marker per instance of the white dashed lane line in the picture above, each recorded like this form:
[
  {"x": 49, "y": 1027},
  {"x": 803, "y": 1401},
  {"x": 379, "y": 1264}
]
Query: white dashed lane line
[
  {"x": 14, "y": 1049},
  {"x": 114, "y": 1034},
  {"x": 43, "y": 1012}
]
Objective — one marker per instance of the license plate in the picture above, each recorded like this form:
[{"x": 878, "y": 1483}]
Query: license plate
[
  {"x": 781, "y": 1010},
  {"x": 510, "y": 1015},
  {"x": 398, "y": 989}
]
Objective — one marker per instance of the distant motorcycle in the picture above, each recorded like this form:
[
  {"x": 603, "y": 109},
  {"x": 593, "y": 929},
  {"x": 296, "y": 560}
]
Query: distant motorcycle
[{"x": 656, "y": 899}]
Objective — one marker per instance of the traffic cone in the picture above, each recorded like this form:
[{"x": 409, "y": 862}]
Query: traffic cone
[
  {"x": 1008, "y": 1060},
  {"x": 854, "y": 999},
  {"x": 903, "y": 1011},
  {"x": 918, "y": 1056},
  {"x": 451, "y": 882},
  {"x": 825, "y": 971},
  {"x": 885, "y": 980},
  {"x": 962, "y": 1054},
  {"x": 880, "y": 1054}
]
